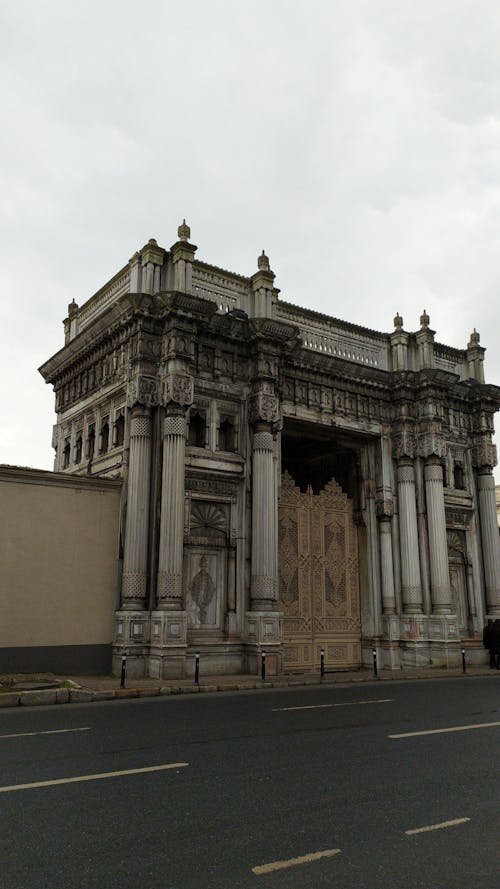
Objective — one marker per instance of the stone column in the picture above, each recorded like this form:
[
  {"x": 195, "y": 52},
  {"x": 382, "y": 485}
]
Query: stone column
[
  {"x": 438, "y": 544},
  {"x": 169, "y": 588},
  {"x": 410, "y": 564},
  {"x": 384, "y": 514},
  {"x": 135, "y": 557},
  {"x": 264, "y": 585},
  {"x": 489, "y": 539}
]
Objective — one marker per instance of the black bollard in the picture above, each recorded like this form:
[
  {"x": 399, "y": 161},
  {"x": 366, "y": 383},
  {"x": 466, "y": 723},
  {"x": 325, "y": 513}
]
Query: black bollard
[
  {"x": 263, "y": 666},
  {"x": 374, "y": 653},
  {"x": 322, "y": 663},
  {"x": 124, "y": 671},
  {"x": 463, "y": 661},
  {"x": 197, "y": 668}
]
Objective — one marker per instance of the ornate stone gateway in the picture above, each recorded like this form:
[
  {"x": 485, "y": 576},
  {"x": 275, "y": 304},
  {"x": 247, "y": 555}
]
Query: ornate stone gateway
[{"x": 318, "y": 577}]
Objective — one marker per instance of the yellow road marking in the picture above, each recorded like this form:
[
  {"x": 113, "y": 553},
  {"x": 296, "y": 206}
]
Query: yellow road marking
[
  {"x": 437, "y": 826},
  {"x": 170, "y": 765},
  {"x": 342, "y": 704},
  {"x": 442, "y": 731},
  {"x": 55, "y": 731},
  {"x": 292, "y": 862}
]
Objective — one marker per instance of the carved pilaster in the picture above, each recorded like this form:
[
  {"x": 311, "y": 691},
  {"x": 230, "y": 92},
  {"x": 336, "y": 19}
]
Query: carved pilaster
[
  {"x": 410, "y": 564},
  {"x": 489, "y": 539},
  {"x": 436, "y": 526},
  {"x": 169, "y": 588},
  {"x": 135, "y": 556},
  {"x": 385, "y": 511},
  {"x": 264, "y": 583}
]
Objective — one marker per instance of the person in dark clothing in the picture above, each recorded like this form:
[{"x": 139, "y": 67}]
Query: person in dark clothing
[
  {"x": 495, "y": 642},
  {"x": 487, "y": 641}
]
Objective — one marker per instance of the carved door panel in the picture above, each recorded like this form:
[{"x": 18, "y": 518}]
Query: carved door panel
[
  {"x": 458, "y": 581},
  {"x": 318, "y": 577}
]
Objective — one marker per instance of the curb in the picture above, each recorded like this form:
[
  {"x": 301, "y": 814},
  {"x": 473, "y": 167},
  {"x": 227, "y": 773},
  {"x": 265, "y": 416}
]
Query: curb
[{"x": 34, "y": 698}]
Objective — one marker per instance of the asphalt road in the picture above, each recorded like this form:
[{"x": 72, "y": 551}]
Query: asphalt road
[{"x": 254, "y": 780}]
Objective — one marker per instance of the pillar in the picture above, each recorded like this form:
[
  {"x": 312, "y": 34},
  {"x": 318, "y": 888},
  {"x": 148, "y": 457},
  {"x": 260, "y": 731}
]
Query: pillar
[
  {"x": 384, "y": 515},
  {"x": 264, "y": 583},
  {"x": 410, "y": 565},
  {"x": 169, "y": 588},
  {"x": 135, "y": 557},
  {"x": 489, "y": 539},
  {"x": 438, "y": 544}
]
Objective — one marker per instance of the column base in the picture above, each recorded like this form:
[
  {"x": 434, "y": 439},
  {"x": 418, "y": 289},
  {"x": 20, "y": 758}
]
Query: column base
[
  {"x": 131, "y": 637},
  {"x": 264, "y": 632}
]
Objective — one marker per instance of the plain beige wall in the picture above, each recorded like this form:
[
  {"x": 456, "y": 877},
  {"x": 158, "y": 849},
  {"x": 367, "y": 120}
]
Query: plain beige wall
[{"x": 58, "y": 558}]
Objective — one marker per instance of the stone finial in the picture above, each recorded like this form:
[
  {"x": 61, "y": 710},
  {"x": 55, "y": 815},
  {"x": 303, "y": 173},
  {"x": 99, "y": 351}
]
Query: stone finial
[
  {"x": 73, "y": 306},
  {"x": 424, "y": 320},
  {"x": 184, "y": 232},
  {"x": 263, "y": 262},
  {"x": 153, "y": 242},
  {"x": 474, "y": 339},
  {"x": 398, "y": 322}
]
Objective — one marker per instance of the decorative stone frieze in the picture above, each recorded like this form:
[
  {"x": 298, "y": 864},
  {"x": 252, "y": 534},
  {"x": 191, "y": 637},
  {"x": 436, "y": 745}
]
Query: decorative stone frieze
[
  {"x": 178, "y": 388},
  {"x": 404, "y": 443},
  {"x": 142, "y": 390},
  {"x": 484, "y": 454},
  {"x": 263, "y": 407}
]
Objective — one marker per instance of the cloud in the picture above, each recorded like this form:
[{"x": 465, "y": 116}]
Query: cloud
[{"x": 357, "y": 142}]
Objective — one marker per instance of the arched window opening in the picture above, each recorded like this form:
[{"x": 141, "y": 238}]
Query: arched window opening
[
  {"x": 78, "y": 448},
  {"x": 91, "y": 443},
  {"x": 445, "y": 475},
  {"x": 197, "y": 431},
  {"x": 226, "y": 436},
  {"x": 458, "y": 477},
  {"x": 119, "y": 430},
  {"x": 66, "y": 454},
  {"x": 104, "y": 443}
]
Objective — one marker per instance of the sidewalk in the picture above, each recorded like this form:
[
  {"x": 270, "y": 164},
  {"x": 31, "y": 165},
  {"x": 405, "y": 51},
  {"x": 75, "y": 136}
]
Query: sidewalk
[{"x": 87, "y": 689}]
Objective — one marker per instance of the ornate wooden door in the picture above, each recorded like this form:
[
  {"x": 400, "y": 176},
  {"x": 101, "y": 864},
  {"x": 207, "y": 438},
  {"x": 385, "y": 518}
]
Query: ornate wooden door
[{"x": 318, "y": 577}]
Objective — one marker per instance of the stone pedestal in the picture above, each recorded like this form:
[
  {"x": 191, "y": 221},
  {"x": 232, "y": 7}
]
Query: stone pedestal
[
  {"x": 168, "y": 649},
  {"x": 264, "y": 632},
  {"x": 132, "y": 633}
]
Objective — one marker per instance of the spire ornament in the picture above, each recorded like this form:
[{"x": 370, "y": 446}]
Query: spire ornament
[
  {"x": 184, "y": 232},
  {"x": 263, "y": 262}
]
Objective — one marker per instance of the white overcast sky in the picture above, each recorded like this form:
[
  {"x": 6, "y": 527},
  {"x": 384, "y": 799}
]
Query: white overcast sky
[{"x": 358, "y": 142}]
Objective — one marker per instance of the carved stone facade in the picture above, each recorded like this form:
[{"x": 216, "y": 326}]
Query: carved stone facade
[{"x": 291, "y": 482}]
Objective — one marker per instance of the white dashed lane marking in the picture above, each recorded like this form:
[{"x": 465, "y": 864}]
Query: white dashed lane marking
[
  {"x": 55, "y": 731},
  {"x": 292, "y": 862},
  {"x": 442, "y": 731},
  {"x": 98, "y": 777},
  {"x": 341, "y": 704},
  {"x": 437, "y": 826}
]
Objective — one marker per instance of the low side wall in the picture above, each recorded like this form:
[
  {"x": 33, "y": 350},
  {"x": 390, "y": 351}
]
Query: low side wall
[{"x": 58, "y": 571}]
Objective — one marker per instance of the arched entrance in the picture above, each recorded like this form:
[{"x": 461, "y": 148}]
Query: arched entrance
[{"x": 318, "y": 577}]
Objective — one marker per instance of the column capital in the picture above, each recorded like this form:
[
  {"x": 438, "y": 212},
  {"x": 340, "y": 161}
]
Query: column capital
[
  {"x": 263, "y": 407},
  {"x": 484, "y": 455}
]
